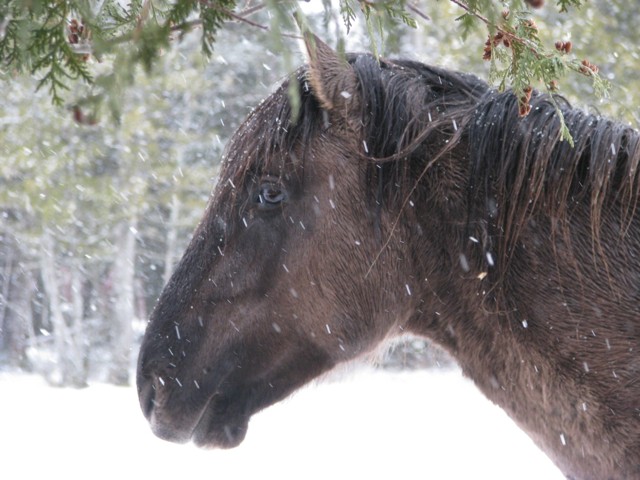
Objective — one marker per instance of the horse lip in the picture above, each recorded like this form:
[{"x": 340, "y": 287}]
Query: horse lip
[
  {"x": 217, "y": 427},
  {"x": 220, "y": 421}
]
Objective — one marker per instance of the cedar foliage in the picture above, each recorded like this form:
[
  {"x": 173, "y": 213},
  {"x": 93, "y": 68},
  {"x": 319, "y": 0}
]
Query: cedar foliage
[{"x": 64, "y": 42}]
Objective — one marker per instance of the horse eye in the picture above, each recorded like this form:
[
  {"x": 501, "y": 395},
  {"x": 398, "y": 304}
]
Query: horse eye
[{"x": 270, "y": 196}]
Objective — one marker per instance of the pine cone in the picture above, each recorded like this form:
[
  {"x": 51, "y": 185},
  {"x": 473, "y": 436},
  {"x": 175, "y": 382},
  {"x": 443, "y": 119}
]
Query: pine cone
[{"x": 534, "y": 3}]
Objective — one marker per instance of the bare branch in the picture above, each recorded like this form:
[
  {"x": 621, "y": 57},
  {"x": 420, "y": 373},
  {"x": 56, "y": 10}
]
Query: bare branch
[
  {"x": 243, "y": 19},
  {"x": 418, "y": 12}
]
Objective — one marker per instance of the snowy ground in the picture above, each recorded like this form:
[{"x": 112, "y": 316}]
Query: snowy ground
[{"x": 365, "y": 424}]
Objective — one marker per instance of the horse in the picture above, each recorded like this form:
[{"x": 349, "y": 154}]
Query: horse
[{"x": 368, "y": 198}]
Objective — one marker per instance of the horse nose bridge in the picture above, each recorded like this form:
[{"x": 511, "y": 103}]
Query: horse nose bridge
[
  {"x": 165, "y": 381},
  {"x": 172, "y": 347},
  {"x": 173, "y": 330},
  {"x": 199, "y": 259}
]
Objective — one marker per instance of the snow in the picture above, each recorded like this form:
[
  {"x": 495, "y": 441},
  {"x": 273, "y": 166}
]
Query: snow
[{"x": 362, "y": 424}]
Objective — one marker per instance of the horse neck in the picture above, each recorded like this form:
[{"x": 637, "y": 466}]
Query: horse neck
[{"x": 520, "y": 339}]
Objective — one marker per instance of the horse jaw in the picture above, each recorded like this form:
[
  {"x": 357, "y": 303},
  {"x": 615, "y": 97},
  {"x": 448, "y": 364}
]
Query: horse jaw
[{"x": 214, "y": 410}]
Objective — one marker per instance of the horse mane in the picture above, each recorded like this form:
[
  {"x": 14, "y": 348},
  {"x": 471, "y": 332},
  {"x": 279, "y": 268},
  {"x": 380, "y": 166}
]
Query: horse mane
[
  {"x": 414, "y": 115},
  {"x": 519, "y": 167},
  {"x": 523, "y": 165}
]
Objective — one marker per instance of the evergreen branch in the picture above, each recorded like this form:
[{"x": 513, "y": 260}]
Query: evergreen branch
[
  {"x": 529, "y": 60},
  {"x": 213, "y": 17},
  {"x": 11, "y": 52},
  {"x": 34, "y": 35},
  {"x": 563, "y": 5},
  {"x": 491, "y": 25},
  {"x": 53, "y": 53},
  {"x": 532, "y": 42},
  {"x": 348, "y": 14}
]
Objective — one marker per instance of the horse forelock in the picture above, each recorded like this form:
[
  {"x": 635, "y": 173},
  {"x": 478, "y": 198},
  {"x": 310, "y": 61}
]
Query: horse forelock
[
  {"x": 272, "y": 132},
  {"x": 403, "y": 102}
]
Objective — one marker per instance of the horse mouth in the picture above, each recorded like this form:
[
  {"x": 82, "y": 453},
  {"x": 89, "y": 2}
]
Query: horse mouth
[{"x": 216, "y": 413}]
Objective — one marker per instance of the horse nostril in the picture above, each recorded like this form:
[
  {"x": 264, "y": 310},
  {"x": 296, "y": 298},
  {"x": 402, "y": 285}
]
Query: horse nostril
[{"x": 146, "y": 396}]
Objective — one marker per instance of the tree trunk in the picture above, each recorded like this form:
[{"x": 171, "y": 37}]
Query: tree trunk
[
  {"x": 124, "y": 312},
  {"x": 16, "y": 287},
  {"x": 70, "y": 368},
  {"x": 18, "y": 322}
]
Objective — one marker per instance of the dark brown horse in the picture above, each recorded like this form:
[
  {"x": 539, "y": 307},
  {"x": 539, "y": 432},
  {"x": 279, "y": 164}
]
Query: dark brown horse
[{"x": 406, "y": 198}]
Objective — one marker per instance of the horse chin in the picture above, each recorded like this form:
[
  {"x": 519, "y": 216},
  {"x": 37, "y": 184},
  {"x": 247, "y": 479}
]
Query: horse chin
[
  {"x": 228, "y": 435},
  {"x": 219, "y": 428}
]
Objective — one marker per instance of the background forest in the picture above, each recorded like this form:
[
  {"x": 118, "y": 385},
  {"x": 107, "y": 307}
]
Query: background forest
[{"x": 94, "y": 214}]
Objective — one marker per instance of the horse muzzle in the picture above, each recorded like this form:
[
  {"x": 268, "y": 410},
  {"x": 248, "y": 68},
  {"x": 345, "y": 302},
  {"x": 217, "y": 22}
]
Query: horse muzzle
[{"x": 176, "y": 415}]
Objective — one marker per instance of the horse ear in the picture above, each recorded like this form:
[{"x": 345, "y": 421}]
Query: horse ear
[{"x": 332, "y": 80}]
